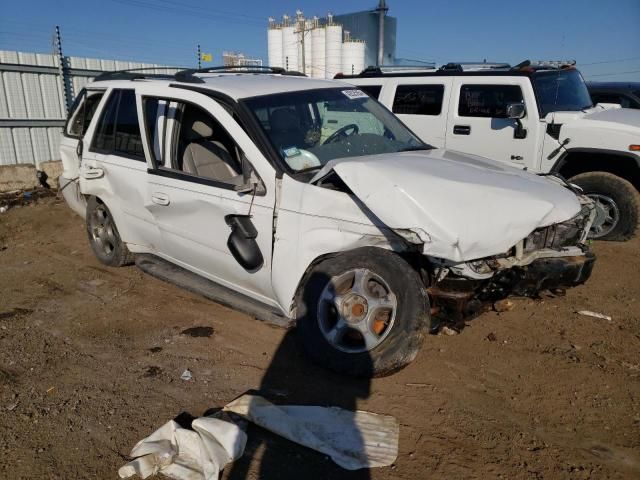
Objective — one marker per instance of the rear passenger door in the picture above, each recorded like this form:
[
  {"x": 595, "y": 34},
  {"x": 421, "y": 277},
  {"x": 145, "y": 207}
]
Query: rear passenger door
[
  {"x": 478, "y": 125},
  {"x": 114, "y": 169},
  {"x": 421, "y": 104}
]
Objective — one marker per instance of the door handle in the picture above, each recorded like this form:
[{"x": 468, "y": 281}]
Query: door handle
[
  {"x": 160, "y": 198},
  {"x": 93, "y": 173},
  {"x": 516, "y": 157},
  {"x": 461, "y": 129}
]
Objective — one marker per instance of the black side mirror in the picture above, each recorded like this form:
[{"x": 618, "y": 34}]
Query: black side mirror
[{"x": 242, "y": 242}]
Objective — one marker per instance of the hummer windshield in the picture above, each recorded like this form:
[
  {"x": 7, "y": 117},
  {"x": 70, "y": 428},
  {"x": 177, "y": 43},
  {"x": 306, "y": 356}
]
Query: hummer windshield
[
  {"x": 311, "y": 127},
  {"x": 560, "y": 91}
]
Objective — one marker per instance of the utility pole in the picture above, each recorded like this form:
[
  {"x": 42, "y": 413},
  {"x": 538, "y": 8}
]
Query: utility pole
[
  {"x": 199, "y": 58},
  {"x": 65, "y": 81},
  {"x": 302, "y": 30},
  {"x": 382, "y": 11}
]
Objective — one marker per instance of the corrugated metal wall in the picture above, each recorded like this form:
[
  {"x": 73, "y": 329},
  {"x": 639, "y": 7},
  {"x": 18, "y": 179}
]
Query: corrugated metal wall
[{"x": 32, "y": 104}]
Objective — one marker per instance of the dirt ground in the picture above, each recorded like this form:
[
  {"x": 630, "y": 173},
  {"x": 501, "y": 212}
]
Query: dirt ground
[{"x": 91, "y": 358}]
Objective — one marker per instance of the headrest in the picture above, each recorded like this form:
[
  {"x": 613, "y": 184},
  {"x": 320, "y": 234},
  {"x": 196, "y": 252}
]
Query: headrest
[
  {"x": 284, "y": 120},
  {"x": 199, "y": 129}
]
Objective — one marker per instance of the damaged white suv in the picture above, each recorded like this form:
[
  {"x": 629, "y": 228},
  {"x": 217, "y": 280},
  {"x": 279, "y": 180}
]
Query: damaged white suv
[{"x": 306, "y": 200}]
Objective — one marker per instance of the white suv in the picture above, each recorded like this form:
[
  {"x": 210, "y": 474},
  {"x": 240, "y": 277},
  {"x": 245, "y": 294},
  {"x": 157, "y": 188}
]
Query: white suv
[
  {"x": 305, "y": 200},
  {"x": 477, "y": 108}
]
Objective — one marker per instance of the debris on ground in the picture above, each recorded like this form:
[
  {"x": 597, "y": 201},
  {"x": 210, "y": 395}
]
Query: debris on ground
[
  {"x": 491, "y": 337},
  {"x": 505, "y": 305},
  {"x": 449, "y": 331},
  {"x": 3, "y": 209},
  {"x": 184, "y": 454},
  {"x": 589, "y": 313},
  {"x": 353, "y": 440},
  {"x": 186, "y": 375}
]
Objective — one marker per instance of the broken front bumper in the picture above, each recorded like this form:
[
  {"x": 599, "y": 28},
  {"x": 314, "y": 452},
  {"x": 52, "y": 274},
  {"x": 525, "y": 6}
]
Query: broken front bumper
[{"x": 460, "y": 297}]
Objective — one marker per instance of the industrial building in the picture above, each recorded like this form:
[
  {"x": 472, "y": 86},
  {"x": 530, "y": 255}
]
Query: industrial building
[{"x": 323, "y": 47}]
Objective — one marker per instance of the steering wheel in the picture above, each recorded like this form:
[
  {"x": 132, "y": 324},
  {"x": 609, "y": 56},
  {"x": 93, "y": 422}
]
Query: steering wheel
[{"x": 342, "y": 133}]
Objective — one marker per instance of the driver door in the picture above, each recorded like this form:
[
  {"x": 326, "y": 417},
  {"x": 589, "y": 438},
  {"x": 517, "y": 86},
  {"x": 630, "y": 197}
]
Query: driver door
[{"x": 204, "y": 168}]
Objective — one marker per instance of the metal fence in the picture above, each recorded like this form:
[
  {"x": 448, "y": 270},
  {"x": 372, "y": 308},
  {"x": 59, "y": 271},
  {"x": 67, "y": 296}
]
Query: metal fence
[{"x": 34, "y": 94}]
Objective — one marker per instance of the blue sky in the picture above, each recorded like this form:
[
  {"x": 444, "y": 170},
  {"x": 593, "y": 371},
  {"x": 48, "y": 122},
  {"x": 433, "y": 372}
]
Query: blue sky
[{"x": 603, "y": 36}]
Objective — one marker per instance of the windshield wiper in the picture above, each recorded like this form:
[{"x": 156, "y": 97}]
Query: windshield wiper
[{"x": 416, "y": 148}]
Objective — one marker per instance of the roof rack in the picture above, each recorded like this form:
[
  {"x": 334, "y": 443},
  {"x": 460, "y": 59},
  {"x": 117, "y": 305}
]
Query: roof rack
[
  {"x": 532, "y": 66},
  {"x": 473, "y": 66},
  {"x": 187, "y": 75}
]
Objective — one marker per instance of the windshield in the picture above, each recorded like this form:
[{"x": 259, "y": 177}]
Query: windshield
[
  {"x": 561, "y": 91},
  {"x": 311, "y": 127}
]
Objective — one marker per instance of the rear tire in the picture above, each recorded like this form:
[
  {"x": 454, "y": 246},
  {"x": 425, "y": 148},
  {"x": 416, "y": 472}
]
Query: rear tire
[
  {"x": 374, "y": 337},
  {"x": 617, "y": 202},
  {"x": 103, "y": 235}
]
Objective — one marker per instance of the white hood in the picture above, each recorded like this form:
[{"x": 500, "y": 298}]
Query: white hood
[
  {"x": 610, "y": 117},
  {"x": 463, "y": 207}
]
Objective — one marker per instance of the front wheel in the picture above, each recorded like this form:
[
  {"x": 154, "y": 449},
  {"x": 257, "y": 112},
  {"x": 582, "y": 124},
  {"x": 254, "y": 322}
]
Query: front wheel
[
  {"x": 363, "y": 313},
  {"x": 617, "y": 205}
]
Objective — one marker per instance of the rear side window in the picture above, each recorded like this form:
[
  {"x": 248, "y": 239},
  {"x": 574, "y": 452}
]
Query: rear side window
[
  {"x": 372, "y": 90},
  {"x": 418, "y": 99},
  {"x": 488, "y": 100},
  {"x": 118, "y": 130},
  {"x": 82, "y": 112}
]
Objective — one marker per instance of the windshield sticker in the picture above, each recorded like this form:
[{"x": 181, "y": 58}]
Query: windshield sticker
[
  {"x": 353, "y": 94},
  {"x": 291, "y": 152}
]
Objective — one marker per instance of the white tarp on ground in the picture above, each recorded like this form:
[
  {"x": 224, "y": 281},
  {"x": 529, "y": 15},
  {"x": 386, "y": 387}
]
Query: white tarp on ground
[{"x": 353, "y": 440}]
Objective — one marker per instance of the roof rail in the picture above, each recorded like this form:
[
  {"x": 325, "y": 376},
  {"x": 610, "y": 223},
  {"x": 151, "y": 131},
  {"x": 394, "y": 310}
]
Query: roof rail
[
  {"x": 136, "y": 74},
  {"x": 187, "y": 75}
]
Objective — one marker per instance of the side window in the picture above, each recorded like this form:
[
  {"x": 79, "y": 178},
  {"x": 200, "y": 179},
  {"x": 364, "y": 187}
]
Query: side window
[
  {"x": 200, "y": 146},
  {"x": 155, "y": 112},
  {"x": 487, "y": 100},
  {"x": 128, "y": 140},
  {"x": 103, "y": 137},
  {"x": 418, "y": 99},
  {"x": 372, "y": 90},
  {"x": 118, "y": 130},
  {"x": 82, "y": 112}
]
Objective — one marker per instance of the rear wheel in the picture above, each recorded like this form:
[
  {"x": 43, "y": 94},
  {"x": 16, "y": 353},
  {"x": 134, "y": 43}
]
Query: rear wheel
[
  {"x": 363, "y": 313},
  {"x": 104, "y": 237},
  {"x": 617, "y": 205}
]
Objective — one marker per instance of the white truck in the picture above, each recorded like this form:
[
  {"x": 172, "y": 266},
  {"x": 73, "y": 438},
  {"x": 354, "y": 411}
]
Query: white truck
[{"x": 478, "y": 109}]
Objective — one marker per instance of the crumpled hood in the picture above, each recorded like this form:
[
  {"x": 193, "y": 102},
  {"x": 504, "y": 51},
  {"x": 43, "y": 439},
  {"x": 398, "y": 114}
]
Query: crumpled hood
[{"x": 463, "y": 207}]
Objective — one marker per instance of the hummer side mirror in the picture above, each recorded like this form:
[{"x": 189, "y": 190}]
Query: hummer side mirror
[{"x": 516, "y": 111}]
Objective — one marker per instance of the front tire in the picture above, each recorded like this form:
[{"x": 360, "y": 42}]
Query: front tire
[
  {"x": 617, "y": 205},
  {"x": 363, "y": 313},
  {"x": 104, "y": 237}
]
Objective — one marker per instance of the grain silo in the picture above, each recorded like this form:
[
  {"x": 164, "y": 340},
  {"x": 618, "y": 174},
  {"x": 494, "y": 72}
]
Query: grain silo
[
  {"x": 333, "y": 45},
  {"x": 318, "y": 48},
  {"x": 274, "y": 43},
  {"x": 352, "y": 57}
]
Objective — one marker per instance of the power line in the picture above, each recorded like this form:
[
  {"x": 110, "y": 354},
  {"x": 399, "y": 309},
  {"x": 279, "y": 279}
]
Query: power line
[
  {"x": 610, "y": 61},
  {"x": 611, "y": 74}
]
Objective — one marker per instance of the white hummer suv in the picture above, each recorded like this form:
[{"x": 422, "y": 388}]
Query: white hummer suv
[
  {"x": 306, "y": 200},
  {"x": 477, "y": 108}
]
